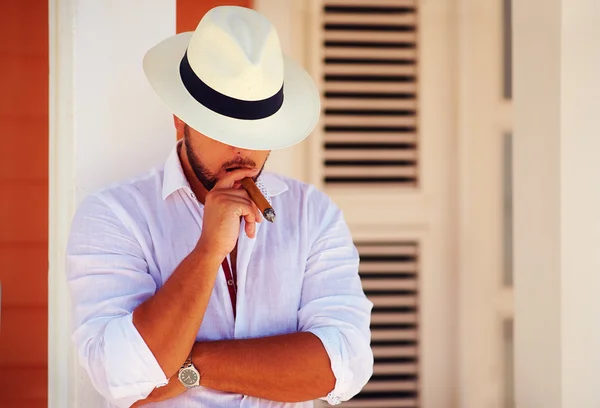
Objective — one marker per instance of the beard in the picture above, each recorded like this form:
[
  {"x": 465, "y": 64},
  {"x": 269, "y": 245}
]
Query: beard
[{"x": 204, "y": 175}]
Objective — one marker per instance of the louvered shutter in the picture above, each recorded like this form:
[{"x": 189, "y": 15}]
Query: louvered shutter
[
  {"x": 389, "y": 274},
  {"x": 370, "y": 92},
  {"x": 370, "y": 138}
]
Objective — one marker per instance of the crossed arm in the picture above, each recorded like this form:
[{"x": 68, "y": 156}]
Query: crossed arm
[
  {"x": 136, "y": 338},
  {"x": 250, "y": 367},
  {"x": 255, "y": 367}
]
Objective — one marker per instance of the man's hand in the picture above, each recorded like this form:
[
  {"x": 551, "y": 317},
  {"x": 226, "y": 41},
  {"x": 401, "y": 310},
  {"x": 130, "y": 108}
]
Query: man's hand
[
  {"x": 169, "y": 320},
  {"x": 225, "y": 204}
]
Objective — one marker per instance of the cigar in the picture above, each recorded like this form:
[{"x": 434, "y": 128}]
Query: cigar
[{"x": 260, "y": 200}]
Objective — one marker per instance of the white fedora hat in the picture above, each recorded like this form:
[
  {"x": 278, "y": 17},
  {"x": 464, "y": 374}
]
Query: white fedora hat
[{"x": 229, "y": 81}]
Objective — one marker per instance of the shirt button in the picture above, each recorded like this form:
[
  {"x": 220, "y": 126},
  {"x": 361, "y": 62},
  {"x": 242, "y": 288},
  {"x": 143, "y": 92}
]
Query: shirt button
[
  {"x": 230, "y": 282},
  {"x": 193, "y": 195}
]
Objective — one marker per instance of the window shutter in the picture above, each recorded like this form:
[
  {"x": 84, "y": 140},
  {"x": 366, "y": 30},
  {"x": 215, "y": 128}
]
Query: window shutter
[
  {"x": 389, "y": 274},
  {"x": 370, "y": 93}
]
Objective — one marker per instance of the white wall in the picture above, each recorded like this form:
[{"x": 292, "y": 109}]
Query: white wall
[
  {"x": 289, "y": 18},
  {"x": 120, "y": 126},
  {"x": 105, "y": 125},
  {"x": 557, "y": 231}
]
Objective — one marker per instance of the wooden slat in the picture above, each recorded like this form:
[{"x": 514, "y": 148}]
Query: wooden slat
[
  {"x": 381, "y": 403},
  {"x": 370, "y": 87},
  {"x": 371, "y": 53},
  {"x": 20, "y": 264},
  {"x": 395, "y": 334},
  {"x": 23, "y": 403},
  {"x": 27, "y": 25},
  {"x": 23, "y": 83},
  {"x": 395, "y": 368},
  {"x": 370, "y": 104},
  {"x": 367, "y": 267},
  {"x": 371, "y": 154},
  {"x": 371, "y": 3},
  {"x": 395, "y": 385},
  {"x": 378, "y": 171},
  {"x": 389, "y": 284},
  {"x": 24, "y": 213},
  {"x": 365, "y": 137},
  {"x": 393, "y": 351},
  {"x": 369, "y": 69},
  {"x": 385, "y": 37},
  {"x": 370, "y": 121},
  {"x": 391, "y": 318},
  {"x": 378, "y": 250},
  {"x": 365, "y": 185},
  {"x": 393, "y": 301},
  {"x": 409, "y": 19},
  {"x": 24, "y": 339},
  {"x": 11, "y": 154},
  {"x": 23, "y": 383}
]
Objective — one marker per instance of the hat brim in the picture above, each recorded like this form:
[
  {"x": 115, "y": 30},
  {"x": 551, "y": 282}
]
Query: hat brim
[{"x": 294, "y": 121}]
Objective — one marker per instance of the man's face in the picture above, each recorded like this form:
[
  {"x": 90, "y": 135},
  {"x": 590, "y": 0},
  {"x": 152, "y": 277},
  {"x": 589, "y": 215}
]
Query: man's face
[{"x": 211, "y": 160}]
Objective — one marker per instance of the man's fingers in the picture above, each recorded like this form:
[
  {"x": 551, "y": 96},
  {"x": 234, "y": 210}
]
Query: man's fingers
[
  {"x": 236, "y": 194},
  {"x": 247, "y": 209},
  {"x": 244, "y": 208},
  {"x": 250, "y": 229},
  {"x": 233, "y": 176}
]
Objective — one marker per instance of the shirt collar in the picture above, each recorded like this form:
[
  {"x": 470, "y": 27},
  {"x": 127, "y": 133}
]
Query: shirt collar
[{"x": 174, "y": 178}]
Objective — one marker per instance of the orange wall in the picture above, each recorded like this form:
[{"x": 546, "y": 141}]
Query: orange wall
[
  {"x": 24, "y": 202},
  {"x": 189, "y": 12}
]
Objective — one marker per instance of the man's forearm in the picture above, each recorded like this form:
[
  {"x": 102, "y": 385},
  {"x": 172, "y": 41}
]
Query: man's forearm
[
  {"x": 169, "y": 321},
  {"x": 288, "y": 368}
]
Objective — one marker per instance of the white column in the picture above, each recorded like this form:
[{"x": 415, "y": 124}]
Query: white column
[
  {"x": 105, "y": 125},
  {"x": 557, "y": 197}
]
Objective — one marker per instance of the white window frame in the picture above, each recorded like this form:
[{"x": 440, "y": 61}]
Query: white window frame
[{"x": 484, "y": 117}]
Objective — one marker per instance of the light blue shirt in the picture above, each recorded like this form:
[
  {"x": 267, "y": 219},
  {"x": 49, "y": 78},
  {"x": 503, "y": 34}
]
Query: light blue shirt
[{"x": 300, "y": 273}]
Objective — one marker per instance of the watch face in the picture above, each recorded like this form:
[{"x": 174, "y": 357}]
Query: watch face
[{"x": 188, "y": 377}]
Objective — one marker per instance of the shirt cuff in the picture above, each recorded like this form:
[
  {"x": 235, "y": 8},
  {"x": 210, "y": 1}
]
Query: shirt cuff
[
  {"x": 330, "y": 337},
  {"x": 131, "y": 368}
]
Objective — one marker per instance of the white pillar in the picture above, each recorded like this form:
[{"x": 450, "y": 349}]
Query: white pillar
[
  {"x": 557, "y": 198},
  {"x": 105, "y": 125}
]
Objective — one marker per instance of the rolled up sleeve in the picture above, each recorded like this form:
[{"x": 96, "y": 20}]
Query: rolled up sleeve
[
  {"x": 334, "y": 307},
  {"x": 108, "y": 278}
]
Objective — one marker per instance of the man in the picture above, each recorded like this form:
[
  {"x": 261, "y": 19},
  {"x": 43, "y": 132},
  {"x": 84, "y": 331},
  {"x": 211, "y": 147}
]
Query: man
[{"x": 182, "y": 295}]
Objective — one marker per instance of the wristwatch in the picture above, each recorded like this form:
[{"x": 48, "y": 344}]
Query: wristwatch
[{"x": 188, "y": 375}]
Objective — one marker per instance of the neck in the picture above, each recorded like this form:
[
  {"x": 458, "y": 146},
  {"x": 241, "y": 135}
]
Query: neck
[{"x": 195, "y": 185}]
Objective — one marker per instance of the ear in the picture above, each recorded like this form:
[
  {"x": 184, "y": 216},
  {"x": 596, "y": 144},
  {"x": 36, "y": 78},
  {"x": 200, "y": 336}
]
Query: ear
[{"x": 179, "y": 126}]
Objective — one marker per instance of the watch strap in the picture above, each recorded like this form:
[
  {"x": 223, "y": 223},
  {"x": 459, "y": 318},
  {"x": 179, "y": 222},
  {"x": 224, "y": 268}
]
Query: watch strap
[{"x": 188, "y": 360}]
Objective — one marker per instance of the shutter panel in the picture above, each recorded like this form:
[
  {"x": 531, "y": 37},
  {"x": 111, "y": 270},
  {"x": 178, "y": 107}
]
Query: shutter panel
[
  {"x": 389, "y": 273},
  {"x": 370, "y": 93}
]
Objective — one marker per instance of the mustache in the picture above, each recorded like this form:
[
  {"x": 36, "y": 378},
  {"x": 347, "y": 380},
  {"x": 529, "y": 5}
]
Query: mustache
[{"x": 238, "y": 162}]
